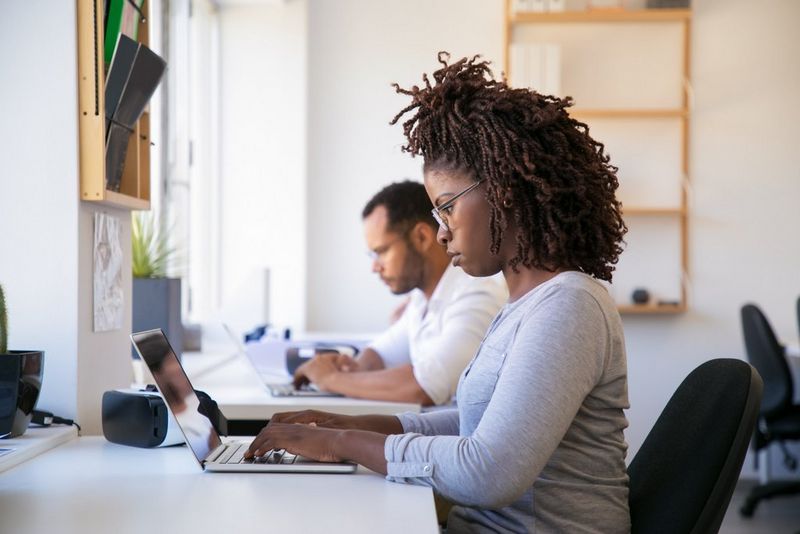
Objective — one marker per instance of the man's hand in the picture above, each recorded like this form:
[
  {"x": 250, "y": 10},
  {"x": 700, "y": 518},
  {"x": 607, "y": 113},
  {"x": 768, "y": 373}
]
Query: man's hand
[{"x": 322, "y": 366}]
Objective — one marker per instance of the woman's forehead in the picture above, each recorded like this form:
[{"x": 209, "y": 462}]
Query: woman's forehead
[{"x": 444, "y": 178}]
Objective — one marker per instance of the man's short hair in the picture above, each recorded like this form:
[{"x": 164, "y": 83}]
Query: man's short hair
[{"x": 406, "y": 203}]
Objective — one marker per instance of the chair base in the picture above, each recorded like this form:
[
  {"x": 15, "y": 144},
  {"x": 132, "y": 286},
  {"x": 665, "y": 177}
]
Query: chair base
[{"x": 767, "y": 491}]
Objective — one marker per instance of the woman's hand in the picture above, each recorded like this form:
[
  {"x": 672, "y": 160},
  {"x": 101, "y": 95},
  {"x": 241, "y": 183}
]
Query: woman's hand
[
  {"x": 318, "y": 418},
  {"x": 309, "y": 440},
  {"x": 322, "y": 444},
  {"x": 382, "y": 424}
]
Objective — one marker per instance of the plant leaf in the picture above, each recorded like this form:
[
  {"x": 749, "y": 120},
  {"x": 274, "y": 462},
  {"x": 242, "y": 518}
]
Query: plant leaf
[{"x": 152, "y": 255}]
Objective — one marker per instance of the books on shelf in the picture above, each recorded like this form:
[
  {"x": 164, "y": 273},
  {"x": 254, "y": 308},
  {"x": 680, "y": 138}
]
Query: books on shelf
[
  {"x": 537, "y": 6},
  {"x": 536, "y": 66},
  {"x": 132, "y": 78},
  {"x": 121, "y": 18}
]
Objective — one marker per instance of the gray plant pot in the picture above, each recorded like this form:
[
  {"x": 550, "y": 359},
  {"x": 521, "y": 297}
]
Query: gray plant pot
[
  {"x": 20, "y": 383},
  {"x": 157, "y": 304}
]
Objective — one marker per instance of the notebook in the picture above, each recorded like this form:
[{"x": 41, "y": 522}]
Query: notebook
[
  {"x": 268, "y": 374},
  {"x": 211, "y": 451}
]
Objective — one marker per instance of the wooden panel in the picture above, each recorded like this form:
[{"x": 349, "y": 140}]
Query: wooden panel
[
  {"x": 604, "y": 15},
  {"x": 144, "y": 157},
  {"x": 670, "y": 220},
  {"x": 628, "y": 113},
  {"x": 91, "y": 100},
  {"x": 135, "y": 185},
  {"x": 651, "y": 309}
]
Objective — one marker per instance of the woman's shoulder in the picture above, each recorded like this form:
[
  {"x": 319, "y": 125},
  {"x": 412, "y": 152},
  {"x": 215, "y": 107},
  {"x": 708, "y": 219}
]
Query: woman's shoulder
[{"x": 570, "y": 294}]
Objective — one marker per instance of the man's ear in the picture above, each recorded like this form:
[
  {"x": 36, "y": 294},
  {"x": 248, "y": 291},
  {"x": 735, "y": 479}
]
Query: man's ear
[{"x": 422, "y": 236}]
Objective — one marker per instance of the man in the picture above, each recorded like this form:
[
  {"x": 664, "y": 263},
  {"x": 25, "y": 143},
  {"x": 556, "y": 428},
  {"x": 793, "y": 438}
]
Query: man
[{"x": 421, "y": 356}]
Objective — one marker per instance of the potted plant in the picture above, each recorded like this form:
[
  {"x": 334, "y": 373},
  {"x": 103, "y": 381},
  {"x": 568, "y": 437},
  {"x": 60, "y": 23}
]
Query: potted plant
[
  {"x": 20, "y": 380},
  {"x": 156, "y": 297}
]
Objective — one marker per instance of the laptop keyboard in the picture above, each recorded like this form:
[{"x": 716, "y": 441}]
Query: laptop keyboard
[
  {"x": 234, "y": 454},
  {"x": 282, "y": 390}
]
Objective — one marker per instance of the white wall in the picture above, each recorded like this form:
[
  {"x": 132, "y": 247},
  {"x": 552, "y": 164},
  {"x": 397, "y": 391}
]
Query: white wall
[
  {"x": 262, "y": 158},
  {"x": 744, "y": 215},
  {"x": 45, "y": 232},
  {"x": 356, "y": 50},
  {"x": 745, "y": 167}
]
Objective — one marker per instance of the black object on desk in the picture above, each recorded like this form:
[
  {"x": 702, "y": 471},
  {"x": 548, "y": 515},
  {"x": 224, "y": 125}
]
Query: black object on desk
[
  {"x": 20, "y": 383},
  {"x": 137, "y": 419},
  {"x": 133, "y": 76}
]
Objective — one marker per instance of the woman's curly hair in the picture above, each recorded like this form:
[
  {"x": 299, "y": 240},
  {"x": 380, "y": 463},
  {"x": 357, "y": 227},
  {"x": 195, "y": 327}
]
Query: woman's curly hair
[{"x": 558, "y": 179}]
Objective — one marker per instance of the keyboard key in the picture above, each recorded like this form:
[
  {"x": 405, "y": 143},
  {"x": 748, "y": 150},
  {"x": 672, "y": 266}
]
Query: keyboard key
[
  {"x": 275, "y": 457},
  {"x": 225, "y": 456},
  {"x": 238, "y": 456}
]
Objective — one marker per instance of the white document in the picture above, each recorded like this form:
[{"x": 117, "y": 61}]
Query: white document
[
  {"x": 536, "y": 68},
  {"x": 109, "y": 299},
  {"x": 552, "y": 69},
  {"x": 520, "y": 6},
  {"x": 518, "y": 64},
  {"x": 538, "y": 5}
]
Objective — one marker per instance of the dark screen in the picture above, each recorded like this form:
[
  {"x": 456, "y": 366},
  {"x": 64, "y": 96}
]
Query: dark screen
[{"x": 178, "y": 392}]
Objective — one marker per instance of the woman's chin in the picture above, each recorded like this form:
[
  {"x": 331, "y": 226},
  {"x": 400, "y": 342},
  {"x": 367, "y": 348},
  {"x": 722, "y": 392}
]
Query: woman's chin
[
  {"x": 478, "y": 271},
  {"x": 458, "y": 261}
]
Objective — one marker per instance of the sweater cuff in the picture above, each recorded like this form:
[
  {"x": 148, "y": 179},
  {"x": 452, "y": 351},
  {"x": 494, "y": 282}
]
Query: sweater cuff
[{"x": 396, "y": 469}]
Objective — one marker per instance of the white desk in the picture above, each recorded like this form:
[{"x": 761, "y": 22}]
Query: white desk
[
  {"x": 241, "y": 396},
  {"x": 89, "y": 485}
]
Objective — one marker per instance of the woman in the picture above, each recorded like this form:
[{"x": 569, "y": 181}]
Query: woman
[{"x": 536, "y": 443}]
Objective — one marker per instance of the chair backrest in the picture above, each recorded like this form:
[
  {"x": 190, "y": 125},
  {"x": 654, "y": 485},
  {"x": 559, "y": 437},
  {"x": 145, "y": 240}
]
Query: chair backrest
[
  {"x": 682, "y": 478},
  {"x": 798, "y": 314},
  {"x": 766, "y": 354}
]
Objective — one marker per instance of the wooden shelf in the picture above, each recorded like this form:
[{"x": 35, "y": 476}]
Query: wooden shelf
[
  {"x": 641, "y": 113},
  {"x": 651, "y": 309},
  {"x": 515, "y": 31},
  {"x": 134, "y": 190},
  {"x": 654, "y": 211},
  {"x": 604, "y": 15}
]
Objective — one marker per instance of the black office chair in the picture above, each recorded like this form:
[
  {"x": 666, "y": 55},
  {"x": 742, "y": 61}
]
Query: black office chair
[
  {"x": 779, "y": 419},
  {"x": 798, "y": 314},
  {"x": 682, "y": 479}
]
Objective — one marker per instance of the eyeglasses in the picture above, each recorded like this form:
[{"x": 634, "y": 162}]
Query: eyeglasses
[
  {"x": 379, "y": 253},
  {"x": 440, "y": 213}
]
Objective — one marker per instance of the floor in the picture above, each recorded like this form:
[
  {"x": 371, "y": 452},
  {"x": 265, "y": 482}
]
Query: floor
[{"x": 780, "y": 515}]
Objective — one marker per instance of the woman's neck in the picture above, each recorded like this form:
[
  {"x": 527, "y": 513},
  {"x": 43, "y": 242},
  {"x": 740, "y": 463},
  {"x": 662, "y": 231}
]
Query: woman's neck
[{"x": 521, "y": 282}]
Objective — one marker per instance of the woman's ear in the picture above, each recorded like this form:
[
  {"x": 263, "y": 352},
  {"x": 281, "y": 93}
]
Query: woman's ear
[{"x": 508, "y": 198}]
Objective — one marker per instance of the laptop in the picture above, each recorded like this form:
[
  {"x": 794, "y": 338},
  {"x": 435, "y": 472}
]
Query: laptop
[
  {"x": 211, "y": 451},
  {"x": 268, "y": 377}
]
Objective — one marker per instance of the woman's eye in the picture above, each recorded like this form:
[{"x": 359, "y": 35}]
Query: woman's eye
[{"x": 447, "y": 209}]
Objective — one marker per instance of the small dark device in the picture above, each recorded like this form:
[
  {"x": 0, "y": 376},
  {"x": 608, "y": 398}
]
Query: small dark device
[{"x": 640, "y": 296}]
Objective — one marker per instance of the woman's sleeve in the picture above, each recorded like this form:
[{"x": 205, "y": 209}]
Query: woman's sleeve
[
  {"x": 437, "y": 423},
  {"x": 555, "y": 361}
]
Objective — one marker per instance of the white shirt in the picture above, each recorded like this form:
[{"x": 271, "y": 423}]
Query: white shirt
[{"x": 439, "y": 337}]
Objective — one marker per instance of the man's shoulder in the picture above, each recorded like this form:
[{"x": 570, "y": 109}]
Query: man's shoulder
[{"x": 460, "y": 284}]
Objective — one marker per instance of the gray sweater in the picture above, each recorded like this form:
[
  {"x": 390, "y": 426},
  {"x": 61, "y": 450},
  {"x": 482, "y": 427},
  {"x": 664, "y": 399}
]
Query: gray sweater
[{"x": 536, "y": 444}]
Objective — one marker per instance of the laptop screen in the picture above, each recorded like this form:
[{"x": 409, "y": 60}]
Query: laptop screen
[{"x": 178, "y": 392}]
